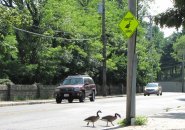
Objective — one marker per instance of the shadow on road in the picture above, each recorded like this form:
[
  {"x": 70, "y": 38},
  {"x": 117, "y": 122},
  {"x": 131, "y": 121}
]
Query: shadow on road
[
  {"x": 181, "y": 99},
  {"x": 172, "y": 115}
]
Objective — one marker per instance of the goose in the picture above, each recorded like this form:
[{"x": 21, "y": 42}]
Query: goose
[
  {"x": 93, "y": 118},
  {"x": 110, "y": 118}
]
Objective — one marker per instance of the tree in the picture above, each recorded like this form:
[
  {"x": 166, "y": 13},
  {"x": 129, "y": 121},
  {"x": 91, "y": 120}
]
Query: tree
[
  {"x": 53, "y": 39},
  {"x": 174, "y": 17},
  {"x": 179, "y": 48},
  {"x": 8, "y": 43}
]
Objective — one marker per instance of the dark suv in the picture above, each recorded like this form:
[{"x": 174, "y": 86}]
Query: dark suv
[{"x": 76, "y": 87}]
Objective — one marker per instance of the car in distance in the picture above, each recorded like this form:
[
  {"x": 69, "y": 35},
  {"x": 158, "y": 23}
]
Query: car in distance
[
  {"x": 76, "y": 87},
  {"x": 153, "y": 88}
]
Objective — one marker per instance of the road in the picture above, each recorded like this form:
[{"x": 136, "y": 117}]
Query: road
[{"x": 70, "y": 116}]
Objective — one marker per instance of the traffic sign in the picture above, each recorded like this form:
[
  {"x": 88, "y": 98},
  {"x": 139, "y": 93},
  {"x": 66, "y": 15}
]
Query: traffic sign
[{"x": 129, "y": 24}]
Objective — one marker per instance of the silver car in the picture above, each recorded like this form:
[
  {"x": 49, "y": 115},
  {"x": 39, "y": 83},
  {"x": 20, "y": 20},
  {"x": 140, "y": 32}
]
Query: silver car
[{"x": 153, "y": 88}]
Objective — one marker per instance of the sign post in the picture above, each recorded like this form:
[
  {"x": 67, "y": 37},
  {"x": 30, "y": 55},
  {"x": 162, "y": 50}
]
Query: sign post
[{"x": 129, "y": 25}]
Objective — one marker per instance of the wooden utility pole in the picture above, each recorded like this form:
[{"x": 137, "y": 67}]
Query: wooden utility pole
[
  {"x": 104, "y": 50},
  {"x": 183, "y": 58},
  {"x": 131, "y": 71}
]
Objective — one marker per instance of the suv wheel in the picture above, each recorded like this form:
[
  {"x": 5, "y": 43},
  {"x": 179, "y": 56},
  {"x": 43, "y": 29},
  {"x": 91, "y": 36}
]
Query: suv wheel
[
  {"x": 82, "y": 98},
  {"x": 58, "y": 99},
  {"x": 92, "y": 98}
]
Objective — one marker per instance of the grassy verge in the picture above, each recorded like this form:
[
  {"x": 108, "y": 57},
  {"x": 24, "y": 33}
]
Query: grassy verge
[{"x": 139, "y": 120}]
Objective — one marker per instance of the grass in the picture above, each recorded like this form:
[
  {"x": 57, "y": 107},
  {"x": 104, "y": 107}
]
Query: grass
[{"x": 139, "y": 120}]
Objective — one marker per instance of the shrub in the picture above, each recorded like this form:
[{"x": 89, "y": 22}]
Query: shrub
[
  {"x": 140, "y": 120},
  {"x": 5, "y": 81},
  {"x": 123, "y": 122}
]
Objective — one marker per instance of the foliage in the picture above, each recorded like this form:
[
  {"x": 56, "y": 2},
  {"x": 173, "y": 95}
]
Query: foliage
[
  {"x": 174, "y": 17},
  {"x": 123, "y": 122},
  {"x": 46, "y": 40},
  {"x": 139, "y": 120},
  {"x": 5, "y": 81},
  {"x": 179, "y": 49},
  {"x": 166, "y": 58}
]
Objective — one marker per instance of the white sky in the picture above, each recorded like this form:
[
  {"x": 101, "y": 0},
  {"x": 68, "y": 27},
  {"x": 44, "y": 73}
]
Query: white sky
[{"x": 159, "y": 6}]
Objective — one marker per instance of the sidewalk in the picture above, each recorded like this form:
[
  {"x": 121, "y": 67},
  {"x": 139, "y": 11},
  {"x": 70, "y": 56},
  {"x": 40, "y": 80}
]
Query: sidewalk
[
  {"x": 27, "y": 102},
  {"x": 174, "y": 119}
]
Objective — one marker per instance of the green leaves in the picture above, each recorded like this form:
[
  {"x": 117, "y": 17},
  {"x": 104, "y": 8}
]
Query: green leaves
[
  {"x": 9, "y": 46},
  {"x": 60, "y": 37},
  {"x": 173, "y": 17},
  {"x": 179, "y": 49}
]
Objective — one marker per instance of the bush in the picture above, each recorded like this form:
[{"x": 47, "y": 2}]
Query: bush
[
  {"x": 140, "y": 120},
  {"x": 5, "y": 81},
  {"x": 123, "y": 122}
]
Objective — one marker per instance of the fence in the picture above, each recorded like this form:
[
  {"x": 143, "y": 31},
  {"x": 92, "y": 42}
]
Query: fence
[
  {"x": 172, "y": 86},
  {"x": 22, "y": 92},
  {"x": 38, "y": 91}
]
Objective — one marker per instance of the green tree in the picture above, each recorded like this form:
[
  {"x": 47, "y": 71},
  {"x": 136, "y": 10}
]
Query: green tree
[
  {"x": 173, "y": 17},
  {"x": 179, "y": 49},
  {"x": 8, "y": 43},
  {"x": 56, "y": 38}
]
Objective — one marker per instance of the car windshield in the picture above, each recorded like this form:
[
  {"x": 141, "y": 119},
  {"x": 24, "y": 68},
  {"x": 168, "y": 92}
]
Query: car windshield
[
  {"x": 151, "y": 85},
  {"x": 73, "y": 81}
]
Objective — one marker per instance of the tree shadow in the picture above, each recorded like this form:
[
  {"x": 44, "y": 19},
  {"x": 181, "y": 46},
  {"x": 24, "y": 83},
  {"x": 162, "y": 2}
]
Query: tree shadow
[
  {"x": 181, "y": 99},
  {"x": 172, "y": 115},
  {"x": 88, "y": 126},
  {"x": 110, "y": 128}
]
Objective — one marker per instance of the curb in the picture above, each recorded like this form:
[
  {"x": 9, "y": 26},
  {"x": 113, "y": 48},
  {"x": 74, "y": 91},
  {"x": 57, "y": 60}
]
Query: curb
[
  {"x": 11, "y": 103},
  {"x": 31, "y": 102}
]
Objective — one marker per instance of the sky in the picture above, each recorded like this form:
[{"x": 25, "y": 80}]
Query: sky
[{"x": 159, "y": 6}]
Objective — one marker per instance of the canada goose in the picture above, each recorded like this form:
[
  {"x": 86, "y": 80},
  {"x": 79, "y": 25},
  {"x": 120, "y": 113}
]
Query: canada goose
[
  {"x": 110, "y": 118},
  {"x": 93, "y": 118}
]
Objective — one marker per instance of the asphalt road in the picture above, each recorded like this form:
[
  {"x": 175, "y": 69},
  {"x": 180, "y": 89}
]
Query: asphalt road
[{"x": 70, "y": 116}]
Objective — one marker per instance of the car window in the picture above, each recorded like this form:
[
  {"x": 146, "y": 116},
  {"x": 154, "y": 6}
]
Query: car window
[
  {"x": 151, "y": 85},
  {"x": 73, "y": 81},
  {"x": 86, "y": 81},
  {"x": 91, "y": 81}
]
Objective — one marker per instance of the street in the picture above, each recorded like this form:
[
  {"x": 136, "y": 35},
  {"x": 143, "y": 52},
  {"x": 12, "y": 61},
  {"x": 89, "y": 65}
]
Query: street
[{"x": 70, "y": 116}]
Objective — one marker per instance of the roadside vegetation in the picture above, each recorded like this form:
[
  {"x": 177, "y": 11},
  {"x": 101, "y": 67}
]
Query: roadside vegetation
[
  {"x": 43, "y": 41},
  {"x": 139, "y": 120}
]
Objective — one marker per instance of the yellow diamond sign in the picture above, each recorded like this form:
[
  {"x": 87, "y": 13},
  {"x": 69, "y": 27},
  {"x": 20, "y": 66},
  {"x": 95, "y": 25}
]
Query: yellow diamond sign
[{"x": 129, "y": 24}]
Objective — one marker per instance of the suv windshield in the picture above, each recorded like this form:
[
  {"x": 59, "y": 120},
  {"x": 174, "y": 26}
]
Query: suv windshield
[
  {"x": 151, "y": 85},
  {"x": 73, "y": 81}
]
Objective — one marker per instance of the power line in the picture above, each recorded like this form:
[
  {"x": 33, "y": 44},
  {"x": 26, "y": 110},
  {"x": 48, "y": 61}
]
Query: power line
[
  {"x": 46, "y": 28},
  {"x": 42, "y": 35}
]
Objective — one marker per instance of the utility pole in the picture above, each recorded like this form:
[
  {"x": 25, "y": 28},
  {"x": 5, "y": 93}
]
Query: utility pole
[
  {"x": 151, "y": 49},
  {"x": 131, "y": 71},
  {"x": 183, "y": 72},
  {"x": 104, "y": 50}
]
